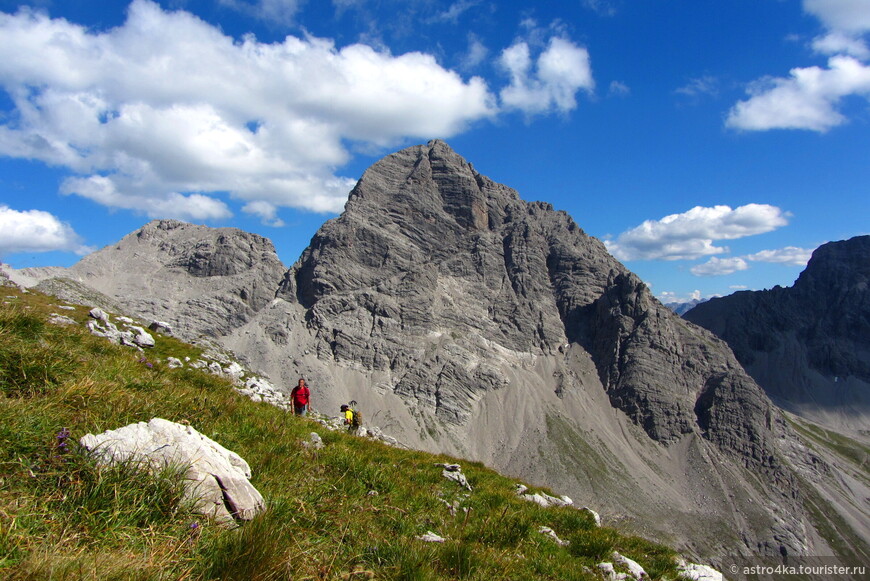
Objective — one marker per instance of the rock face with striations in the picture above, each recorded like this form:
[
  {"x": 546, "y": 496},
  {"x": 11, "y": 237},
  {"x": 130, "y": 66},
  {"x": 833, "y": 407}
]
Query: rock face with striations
[
  {"x": 807, "y": 345},
  {"x": 433, "y": 269},
  {"x": 465, "y": 320}
]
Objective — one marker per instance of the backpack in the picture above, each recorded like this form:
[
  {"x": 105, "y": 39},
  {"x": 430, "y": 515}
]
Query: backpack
[{"x": 356, "y": 421}]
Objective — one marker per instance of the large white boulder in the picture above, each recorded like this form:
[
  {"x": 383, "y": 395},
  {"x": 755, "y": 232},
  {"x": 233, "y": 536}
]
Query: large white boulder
[{"x": 216, "y": 478}]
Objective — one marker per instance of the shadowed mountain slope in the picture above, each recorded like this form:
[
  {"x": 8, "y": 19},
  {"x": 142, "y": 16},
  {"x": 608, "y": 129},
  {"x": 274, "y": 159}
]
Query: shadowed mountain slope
[{"x": 808, "y": 345}]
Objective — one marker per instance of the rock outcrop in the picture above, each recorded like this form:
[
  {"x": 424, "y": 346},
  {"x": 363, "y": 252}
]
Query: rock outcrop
[
  {"x": 808, "y": 345},
  {"x": 131, "y": 336},
  {"x": 216, "y": 479}
]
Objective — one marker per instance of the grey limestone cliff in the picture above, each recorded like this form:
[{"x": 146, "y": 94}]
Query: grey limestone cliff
[{"x": 428, "y": 247}]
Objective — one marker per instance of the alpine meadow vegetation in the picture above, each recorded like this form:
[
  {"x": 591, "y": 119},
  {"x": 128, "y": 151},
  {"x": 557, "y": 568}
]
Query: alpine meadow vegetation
[{"x": 351, "y": 510}]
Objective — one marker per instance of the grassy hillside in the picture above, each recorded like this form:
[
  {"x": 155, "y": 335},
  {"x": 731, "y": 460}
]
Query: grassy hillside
[{"x": 352, "y": 510}]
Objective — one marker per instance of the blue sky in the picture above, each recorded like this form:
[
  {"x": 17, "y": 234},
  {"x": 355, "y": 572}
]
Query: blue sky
[{"x": 712, "y": 145}]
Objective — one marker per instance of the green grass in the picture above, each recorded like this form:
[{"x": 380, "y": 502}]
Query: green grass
[
  {"x": 855, "y": 452},
  {"x": 351, "y": 510}
]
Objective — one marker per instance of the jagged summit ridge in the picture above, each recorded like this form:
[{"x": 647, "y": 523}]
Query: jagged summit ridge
[{"x": 423, "y": 216}]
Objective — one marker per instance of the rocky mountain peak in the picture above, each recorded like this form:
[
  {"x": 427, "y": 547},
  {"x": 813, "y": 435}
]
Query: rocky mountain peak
[
  {"x": 433, "y": 265},
  {"x": 203, "y": 251},
  {"x": 202, "y": 280},
  {"x": 432, "y": 180},
  {"x": 161, "y": 225},
  {"x": 836, "y": 270},
  {"x": 427, "y": 244}
]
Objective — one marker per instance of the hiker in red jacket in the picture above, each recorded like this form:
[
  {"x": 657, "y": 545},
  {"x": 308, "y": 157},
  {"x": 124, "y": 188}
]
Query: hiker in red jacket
[{"x": 300, "y": 395}]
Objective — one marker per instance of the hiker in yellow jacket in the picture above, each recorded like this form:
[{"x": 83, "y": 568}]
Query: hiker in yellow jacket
[{"x": 351, "y": 418}]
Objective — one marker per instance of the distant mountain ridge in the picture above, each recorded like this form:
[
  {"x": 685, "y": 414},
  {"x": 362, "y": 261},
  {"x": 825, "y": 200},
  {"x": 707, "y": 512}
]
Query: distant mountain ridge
[
  {"x": 808, "y": 345},
  {"x": 466, "y": 320},
  {"x": 684, "y": 307}
]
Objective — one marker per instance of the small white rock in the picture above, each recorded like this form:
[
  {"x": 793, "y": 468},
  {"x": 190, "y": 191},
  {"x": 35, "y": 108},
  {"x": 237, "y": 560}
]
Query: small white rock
[
  {"x": 234, "y": 370},
  {"x": 633, "y": 567},
  {"x": 141, "y": 337},
  {"x": 594, "y": 514},
  {"x": 56, "y": 319},
  {"x": 99, "y": 314},
  {"x": 552, "y": 534}
]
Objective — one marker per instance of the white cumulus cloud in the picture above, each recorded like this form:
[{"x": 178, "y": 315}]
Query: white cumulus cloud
[
  {"x": 456, "y": 10},
  {"x": 619, "y": 89},
  {"x": 166, "y": 115},
  {"x": 810, "y": 97},
  {"x": 548, "y": 84},
  {"x": 103, "y": 190},
  {"x": 719, "y": 267},
  {"x": 672, "y": 297},
  {"x": 791, "y": 255},
  {"x": 477, "y": 53},
  {"x": 602, "y": 7},
  {"x": 701, "y": 86},
  {"x": 691, "y": 235},
  {"x": 846, "y": 15},
  {"x": 839, "y": 43},
  {"x": 807, "y": 99},
  {"x": 36, "y": 231},
  {"x": 266, "y": 211}
]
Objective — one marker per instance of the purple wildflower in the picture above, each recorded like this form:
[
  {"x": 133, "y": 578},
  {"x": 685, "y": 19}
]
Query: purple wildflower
[
  {"x": 62, "y": 446},
  {"x": 194, "y": 532}
]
